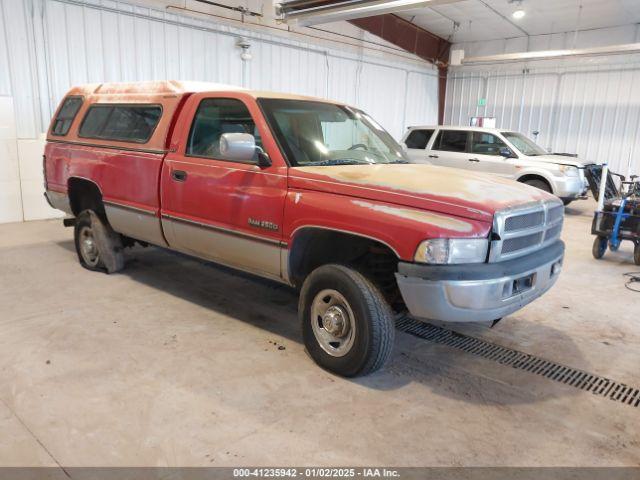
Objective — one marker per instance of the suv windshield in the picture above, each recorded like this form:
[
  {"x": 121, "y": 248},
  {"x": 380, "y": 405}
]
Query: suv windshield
[
  {"x": 526, "y": 146},
  {"x": 317, "y": 133}
]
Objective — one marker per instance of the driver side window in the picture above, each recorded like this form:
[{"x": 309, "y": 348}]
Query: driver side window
[
  {"x": 214, "y": 117},
  {"x": 486, "y": 144}
]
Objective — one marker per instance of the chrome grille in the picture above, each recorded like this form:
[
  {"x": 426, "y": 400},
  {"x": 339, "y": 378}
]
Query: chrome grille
[
  {"x": 518, "y": 243},
  {"x": 525, "y": 229},
  {"x": 555, "y": 213},
  {"x": 519, "y": 222},
  {"x": 553, "y": 233}
]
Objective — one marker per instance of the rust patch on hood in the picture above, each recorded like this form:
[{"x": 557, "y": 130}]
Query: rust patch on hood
[
  {"x": 461, "y": 188},
  {"x": 445, "y": 222}
]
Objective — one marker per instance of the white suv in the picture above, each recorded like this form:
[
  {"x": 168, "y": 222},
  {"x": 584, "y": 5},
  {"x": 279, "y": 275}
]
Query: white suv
[{"x": 500, "y": 152}]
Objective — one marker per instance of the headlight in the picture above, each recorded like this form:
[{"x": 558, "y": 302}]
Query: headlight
[
  {"x": 569, "y": 171},
  {"x": 452, "y": 250}
]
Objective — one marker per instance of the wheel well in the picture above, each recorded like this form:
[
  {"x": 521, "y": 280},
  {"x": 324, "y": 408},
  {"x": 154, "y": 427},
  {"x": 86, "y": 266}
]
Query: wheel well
[
  {"x": 313, "y": 247},
  {"x": 533, "y": 176},
  {"x": 85, "y": 195}
]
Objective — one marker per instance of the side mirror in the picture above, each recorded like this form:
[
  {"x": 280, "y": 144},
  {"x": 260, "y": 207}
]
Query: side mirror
[
  {"x": 241, "y": 147},
  {"x": 506, "y": 153}
]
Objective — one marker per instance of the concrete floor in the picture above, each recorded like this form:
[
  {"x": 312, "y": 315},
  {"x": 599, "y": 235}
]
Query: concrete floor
[{"x": 177, "y": 363}]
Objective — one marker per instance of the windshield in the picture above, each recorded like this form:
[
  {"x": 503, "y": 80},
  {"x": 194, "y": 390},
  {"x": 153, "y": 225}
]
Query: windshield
[
  {"x": 316, "y": 133},
  {"x": 526, "y": 146}
]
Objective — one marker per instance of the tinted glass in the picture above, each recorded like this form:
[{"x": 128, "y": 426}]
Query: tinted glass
[
  {"x": 418, "y": 139},
  {"x": 318, "y": 133},
  {"x": 452, "y": 141},
  {"x": 214, "y": 117},
  {"x": 486, "y": 144},
  {"x": 65, "y": 116},
  {"x": 124, "y": 123}
]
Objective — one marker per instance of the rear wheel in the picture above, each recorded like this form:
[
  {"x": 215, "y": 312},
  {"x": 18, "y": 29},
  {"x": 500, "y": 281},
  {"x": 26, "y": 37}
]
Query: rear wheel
[
  {"x": 599, "y": 247},
  {"x": 540, "y": 184},
  {"x": 347, "y": 325},
  {"x": 99, "y": 248}
]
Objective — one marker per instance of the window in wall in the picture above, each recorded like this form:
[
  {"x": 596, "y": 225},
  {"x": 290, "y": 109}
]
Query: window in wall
[
  {"x": 486, "y": 144},
  {"x": 418, "y": 139},
  {"x": 214, "y": 117},
  {"x": 66, "y": 115},
  {"x": 123, "y": 123},
  {"x": 452, "y": 141}
]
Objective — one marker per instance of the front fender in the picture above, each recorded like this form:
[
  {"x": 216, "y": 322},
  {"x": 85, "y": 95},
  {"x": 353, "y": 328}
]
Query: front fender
[
  {"x": 400, "y": 228},
  {"x": 539, "y": 172}
]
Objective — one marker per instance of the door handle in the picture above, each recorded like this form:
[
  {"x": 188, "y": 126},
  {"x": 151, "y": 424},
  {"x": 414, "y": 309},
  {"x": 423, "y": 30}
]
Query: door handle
[
  {"x": 434, "y": 156},
  {"x": 474, "y": 160},
  {"x": 178, "y": 175}
]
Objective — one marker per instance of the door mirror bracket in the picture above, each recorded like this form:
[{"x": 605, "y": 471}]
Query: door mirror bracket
[
  {"x": 264, "y": 160},
  {"x": 507, "y": 153}
]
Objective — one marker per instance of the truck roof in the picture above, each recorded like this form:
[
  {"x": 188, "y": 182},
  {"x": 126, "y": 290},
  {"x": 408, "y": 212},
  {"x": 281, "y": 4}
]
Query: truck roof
[
  {"x": 167, "y": 94},
  {"x": 458, "y": 127},
  {"x": 145, "y": 90}
]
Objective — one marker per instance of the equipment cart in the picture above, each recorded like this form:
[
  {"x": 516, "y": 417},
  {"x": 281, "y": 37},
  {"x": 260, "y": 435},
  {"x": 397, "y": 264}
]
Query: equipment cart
[{"x": 618, "y": 215}]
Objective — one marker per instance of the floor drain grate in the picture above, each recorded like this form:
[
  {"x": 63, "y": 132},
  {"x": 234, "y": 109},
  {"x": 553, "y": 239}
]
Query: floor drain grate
[{"x": 523, "y": 361}]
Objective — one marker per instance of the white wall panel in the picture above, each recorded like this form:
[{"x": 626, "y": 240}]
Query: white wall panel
[
  {"x": 47, "y": 46},
  {"x": 422, "y": 100},
  {"x": 10, "y": 198},
  {"x": 591, "y": 110}
]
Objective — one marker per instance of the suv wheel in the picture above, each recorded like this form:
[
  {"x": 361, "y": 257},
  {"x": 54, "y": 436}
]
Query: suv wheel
[
  {"x": 599, "y": 247},
  {"x": 540, "y": 184},
  {"x": 347, "y": 325},
  {"x": 98, "y": 246}
]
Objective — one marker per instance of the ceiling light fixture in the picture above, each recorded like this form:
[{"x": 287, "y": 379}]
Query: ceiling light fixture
[{"x": 518, "y": 14}]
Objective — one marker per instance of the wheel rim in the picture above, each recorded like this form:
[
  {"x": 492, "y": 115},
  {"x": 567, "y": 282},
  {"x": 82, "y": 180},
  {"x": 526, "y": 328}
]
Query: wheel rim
[
  {"x": 333, "y": 322},
  {"x": 88, "y": 247}
]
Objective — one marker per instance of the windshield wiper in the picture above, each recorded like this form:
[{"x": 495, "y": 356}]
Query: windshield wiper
[
  {"x": 398, "y": 161},
  {"x": 338, "y": 161}
]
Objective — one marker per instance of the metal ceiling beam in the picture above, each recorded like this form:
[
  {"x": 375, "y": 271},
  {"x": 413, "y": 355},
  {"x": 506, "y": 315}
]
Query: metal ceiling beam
[
  {"x": 314, "y": 12},
  {"x": 413, "y": 39},
  {"x": 628, "y": 48}
]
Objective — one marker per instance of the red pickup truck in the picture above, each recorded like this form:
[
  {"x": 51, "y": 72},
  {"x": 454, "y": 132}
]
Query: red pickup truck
[{"x": 304, "y": 191}]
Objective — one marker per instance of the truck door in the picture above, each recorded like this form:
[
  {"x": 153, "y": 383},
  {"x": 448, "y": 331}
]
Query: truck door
[
  {"x": 485, "y": 155},
  {"x": 449, "y": 149},
  {"x": 226, "y": 211}
]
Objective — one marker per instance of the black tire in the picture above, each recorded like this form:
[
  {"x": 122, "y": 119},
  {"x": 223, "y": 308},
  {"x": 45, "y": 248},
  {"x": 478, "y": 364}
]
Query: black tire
[
  {"x": 540, "y": 184},
  {"x": 366, "y": 346},
  {"x": 636, "y": 254},
  {"x": 98, "y": 246},
  {"x": 566, "y": 201},
  {"x": 599, "y": 247}
]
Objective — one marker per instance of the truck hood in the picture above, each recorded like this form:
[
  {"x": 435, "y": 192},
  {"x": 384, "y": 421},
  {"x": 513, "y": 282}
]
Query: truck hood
[
  {"x": 560, "y": 159},
  {"x": 439, "y": 189}
]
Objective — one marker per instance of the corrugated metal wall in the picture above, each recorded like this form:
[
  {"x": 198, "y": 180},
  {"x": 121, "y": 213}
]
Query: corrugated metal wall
[
  {"x": 46, "y": 46},
  {"x": 593, "y": 111}
]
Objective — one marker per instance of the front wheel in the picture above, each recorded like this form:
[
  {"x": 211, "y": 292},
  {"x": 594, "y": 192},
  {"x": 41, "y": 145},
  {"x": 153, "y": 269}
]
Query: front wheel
[
  {"x": 347, "y": 325},
  {"x": 599, "y": 247},
  {"x": 539, "y": 184}
]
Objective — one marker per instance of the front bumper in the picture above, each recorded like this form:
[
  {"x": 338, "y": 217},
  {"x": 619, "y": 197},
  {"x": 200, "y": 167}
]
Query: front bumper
[
  {"x": 569, "y": 187},
  {"x": 478, "y": 292}
]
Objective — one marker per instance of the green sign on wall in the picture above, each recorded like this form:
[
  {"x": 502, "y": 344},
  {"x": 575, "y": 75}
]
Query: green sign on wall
[{"x": 482, "y": 102}]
